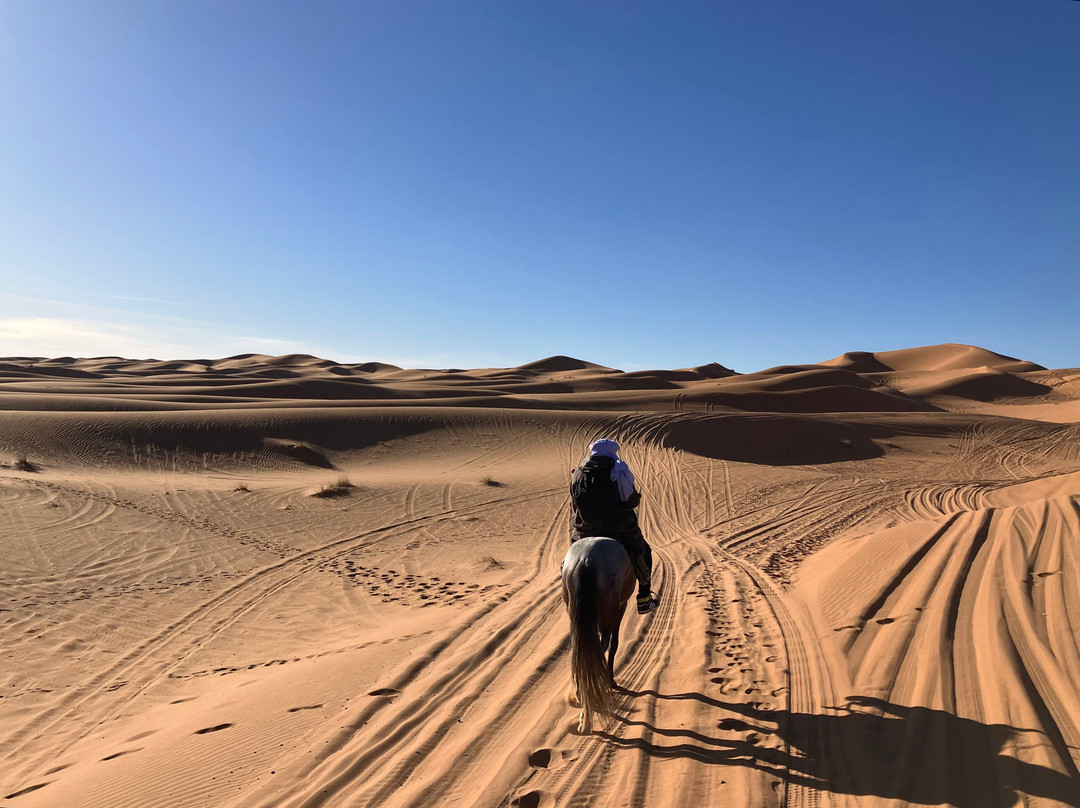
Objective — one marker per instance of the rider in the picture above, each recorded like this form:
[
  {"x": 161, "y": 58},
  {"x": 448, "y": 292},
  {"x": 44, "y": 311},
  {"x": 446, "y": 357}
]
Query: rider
[{"x": 604, "y": 498}]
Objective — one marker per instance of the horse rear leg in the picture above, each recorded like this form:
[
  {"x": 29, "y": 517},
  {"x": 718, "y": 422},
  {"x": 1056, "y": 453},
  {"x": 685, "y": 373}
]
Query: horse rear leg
[
  {"x": 609, "y": 643},
  {"x": 613, "y": 646}
]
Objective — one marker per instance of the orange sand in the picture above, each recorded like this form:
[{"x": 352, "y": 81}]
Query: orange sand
[{"x": 868, "y": 570}]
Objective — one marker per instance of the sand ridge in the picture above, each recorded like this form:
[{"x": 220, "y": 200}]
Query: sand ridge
[{"x": 868, "y": 571}]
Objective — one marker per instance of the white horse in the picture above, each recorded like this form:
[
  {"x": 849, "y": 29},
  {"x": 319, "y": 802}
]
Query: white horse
[{"x": 597, "y": 581}]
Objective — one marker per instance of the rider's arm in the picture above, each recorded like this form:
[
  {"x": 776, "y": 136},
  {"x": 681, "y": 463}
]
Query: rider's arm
[{"x": 628, "y": 493}]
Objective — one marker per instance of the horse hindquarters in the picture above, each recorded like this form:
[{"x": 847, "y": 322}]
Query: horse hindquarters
[
  {"x": 614, "y": 592},
  {"x": 588, "y": 671}
]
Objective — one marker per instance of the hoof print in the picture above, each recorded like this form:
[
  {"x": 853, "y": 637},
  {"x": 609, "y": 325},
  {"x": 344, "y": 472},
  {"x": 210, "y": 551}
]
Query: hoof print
[{"x": 533, "y": 799}]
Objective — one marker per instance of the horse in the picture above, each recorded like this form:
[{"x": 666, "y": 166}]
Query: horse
[{"x": 597, "y": 581}]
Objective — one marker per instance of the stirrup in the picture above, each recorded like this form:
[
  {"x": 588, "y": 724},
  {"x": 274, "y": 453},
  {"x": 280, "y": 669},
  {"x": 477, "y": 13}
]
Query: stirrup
[{"x": 647, "y": 603}]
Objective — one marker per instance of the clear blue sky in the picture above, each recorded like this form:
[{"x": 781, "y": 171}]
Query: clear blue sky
[{"x": 486, "y": 183}]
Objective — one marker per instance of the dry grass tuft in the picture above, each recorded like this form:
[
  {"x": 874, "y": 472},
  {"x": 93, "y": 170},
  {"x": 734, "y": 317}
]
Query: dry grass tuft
[
  {"x": 340, "y": 488},
  {"x": 23, "y": 463},
  {"x": 492, "y": 482}
]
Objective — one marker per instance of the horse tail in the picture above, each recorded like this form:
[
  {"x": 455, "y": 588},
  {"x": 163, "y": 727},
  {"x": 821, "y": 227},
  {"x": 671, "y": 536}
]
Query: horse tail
[{"x": 588, "y": 670}]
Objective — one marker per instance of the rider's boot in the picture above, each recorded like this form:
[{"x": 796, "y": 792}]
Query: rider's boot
[
  {"x": 641, "y": 560},
  {"x": 647, "y": 601}
]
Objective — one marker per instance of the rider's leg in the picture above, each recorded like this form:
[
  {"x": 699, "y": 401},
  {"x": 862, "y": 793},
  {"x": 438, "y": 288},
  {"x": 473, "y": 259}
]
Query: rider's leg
[{"x": 640, "y": 557}]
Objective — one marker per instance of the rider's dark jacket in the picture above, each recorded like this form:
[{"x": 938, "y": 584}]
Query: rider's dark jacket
[{"x": 619, "y": 519}]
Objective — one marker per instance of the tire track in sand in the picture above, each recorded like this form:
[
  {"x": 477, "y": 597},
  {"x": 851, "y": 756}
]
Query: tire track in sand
[
  {"x": 370, "y": 760},
  {"x": 776, "y": 672},
  {"x": 237, "y": 599}
]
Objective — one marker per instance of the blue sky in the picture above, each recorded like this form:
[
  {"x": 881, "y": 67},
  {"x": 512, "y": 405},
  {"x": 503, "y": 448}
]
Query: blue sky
[{"x": 479, "y": 184}]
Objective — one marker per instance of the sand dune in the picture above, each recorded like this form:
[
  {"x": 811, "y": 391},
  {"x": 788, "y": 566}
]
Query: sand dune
[
  {"x": 945, "y": 377},
  {"x": 868, "y": 570},
  {"x": 930, "y": 358}
]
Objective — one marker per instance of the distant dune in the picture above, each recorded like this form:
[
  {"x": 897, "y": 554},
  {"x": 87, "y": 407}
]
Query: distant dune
[
  {"x": 931, "y": 358},
  {"x": 288, "y": 582},
  {"x": 946, "y": 377}
]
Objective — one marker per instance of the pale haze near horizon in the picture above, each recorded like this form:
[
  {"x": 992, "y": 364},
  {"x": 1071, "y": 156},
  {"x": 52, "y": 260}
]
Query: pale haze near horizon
[{"x": 484, "y": 184}]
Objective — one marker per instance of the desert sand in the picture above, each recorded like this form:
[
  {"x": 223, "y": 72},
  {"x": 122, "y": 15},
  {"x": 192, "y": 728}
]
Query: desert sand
[{"x": 285, "y": 581}]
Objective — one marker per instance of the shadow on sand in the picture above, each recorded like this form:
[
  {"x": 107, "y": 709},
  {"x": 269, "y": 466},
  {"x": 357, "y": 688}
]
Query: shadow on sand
[{"x": 870, "y": 747}]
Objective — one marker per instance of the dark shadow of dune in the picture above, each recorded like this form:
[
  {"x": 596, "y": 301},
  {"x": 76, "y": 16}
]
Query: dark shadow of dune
[
  {"x": 834, "y": 398},
  {"x": 13, "y": 371},
  {"x": 870, "y": 747},
  {"x": 989, "y": 386},
  {"x": 303, "y": 452},
  {"x": 775, "y": 440},
  {"x": 309, "y": 437}
]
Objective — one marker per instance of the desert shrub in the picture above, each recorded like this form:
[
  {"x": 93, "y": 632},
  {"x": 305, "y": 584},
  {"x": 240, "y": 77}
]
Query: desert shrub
[
  {"x": 23, "y": 463},
  {"x": 339, "y": 488}
]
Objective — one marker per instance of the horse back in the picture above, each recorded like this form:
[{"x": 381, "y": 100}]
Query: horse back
[{"x": 614, "y": 574}]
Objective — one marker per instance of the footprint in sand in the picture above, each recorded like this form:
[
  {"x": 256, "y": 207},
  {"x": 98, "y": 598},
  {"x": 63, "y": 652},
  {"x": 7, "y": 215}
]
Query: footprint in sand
[
  {"x": 115, "y": 755},
  {"x": 306, "y": 707},
  {"x": 217, "y": 728},
  {"x": 884, "y": 621},
  {"x": 385, "y": 691},
  {"x": 26, "y": 790}
]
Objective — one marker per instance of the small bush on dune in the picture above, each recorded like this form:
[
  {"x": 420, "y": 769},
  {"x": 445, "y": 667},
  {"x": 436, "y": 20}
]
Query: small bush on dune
[
  {"x": 241, "y": 487},
  {"x": 491, "y": 563},
  {"x": 340, "y": 488},
  {"x": 23, "y": 463},
  {"x": 492, "y": 482}
]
